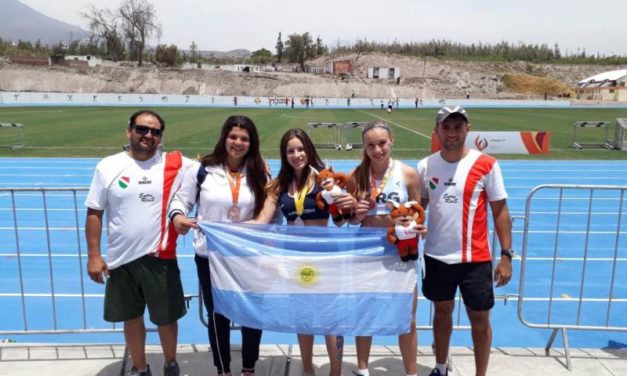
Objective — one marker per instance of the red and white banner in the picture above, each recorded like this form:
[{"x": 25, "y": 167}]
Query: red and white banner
[{"x": 525, "y": 142}]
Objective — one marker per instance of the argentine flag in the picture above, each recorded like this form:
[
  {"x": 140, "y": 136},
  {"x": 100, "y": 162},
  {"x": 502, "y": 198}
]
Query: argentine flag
[{"x": 310, "y": 280}]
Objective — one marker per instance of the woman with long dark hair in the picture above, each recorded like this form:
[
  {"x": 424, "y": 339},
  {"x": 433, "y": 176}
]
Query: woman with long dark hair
[
  {"x": 294, "y": 193},
  {"x": 233, "y": 190}
]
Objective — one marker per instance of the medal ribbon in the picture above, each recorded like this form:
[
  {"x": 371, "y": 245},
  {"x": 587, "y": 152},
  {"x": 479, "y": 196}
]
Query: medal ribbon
[
  {"x": 374, "y": 191},
  {"x": 299, "y": 199},
  {"x": 234, "y": 183}
]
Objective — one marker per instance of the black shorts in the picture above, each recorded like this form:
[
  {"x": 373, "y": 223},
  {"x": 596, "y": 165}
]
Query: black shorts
[
  {"x": 474, "y": 281},
  {"x": 147, "y": 281}
]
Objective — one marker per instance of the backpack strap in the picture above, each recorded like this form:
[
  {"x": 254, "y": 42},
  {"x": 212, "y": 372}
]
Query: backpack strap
[{"x": 200, "y": 178}]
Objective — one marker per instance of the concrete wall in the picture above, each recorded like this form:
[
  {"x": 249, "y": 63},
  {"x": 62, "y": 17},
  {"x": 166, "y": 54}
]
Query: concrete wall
[{"x": 11, "y": 99}]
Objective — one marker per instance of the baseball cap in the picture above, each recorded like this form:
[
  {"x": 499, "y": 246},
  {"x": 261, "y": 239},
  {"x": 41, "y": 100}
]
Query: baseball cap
[{"x": 447, "y": 111}]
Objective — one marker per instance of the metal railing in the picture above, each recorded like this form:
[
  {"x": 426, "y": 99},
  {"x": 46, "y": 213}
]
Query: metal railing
[
  {"x": 576, "y": 238},
  {"x": 54, "y": 210}
]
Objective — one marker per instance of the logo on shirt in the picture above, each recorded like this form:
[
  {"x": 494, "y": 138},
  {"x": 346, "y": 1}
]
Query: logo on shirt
[
  {"x": 450, "y": 199},
  {"x": 146, "y": 197},
  {"x": 383, "y": 197},
  {"x": 144, "y": 180},
  {"x": 124, "y": 181},
  {"x": 433, "y": 183},
  {"x": 450, "y": 183}
]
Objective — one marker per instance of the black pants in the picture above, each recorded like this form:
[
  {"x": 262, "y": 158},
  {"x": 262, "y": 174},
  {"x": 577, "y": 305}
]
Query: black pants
[{"x": 220, "y": 330}]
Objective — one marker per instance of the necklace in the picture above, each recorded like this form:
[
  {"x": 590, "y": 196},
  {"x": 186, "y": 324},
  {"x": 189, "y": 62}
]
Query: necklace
[
  {"x": 234, "y": 179},
  {"x": 374, "y": 190},
  {"x": 299, "y": 201}
]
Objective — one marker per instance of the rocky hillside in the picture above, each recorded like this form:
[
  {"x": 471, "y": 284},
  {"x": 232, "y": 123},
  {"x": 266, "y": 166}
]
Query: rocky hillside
[{"x": 422, "y": 78}]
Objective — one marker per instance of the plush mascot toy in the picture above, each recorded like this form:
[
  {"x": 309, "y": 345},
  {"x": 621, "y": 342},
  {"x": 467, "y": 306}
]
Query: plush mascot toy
[
  {"x": 405, "y": 216},
  {"x": 332, "y": 184}
]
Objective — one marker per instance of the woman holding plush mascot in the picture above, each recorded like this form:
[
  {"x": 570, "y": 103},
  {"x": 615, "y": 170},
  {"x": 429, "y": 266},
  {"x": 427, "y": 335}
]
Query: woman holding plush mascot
[
  {"x": 228, "y": 186},
  {"x": 377, "y": 180},
  {"x": 294, "y": 192}
]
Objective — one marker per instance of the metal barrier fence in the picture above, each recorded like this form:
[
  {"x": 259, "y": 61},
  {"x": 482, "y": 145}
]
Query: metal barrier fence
[
  {"x": 21, "y": 199},
  {"x": 586, "y": 300},
  {"x": 52, "y": 205},
  {"x": 53, "y": 219}
]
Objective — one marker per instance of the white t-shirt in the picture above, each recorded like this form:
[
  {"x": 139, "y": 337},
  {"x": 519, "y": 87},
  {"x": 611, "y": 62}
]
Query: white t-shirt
[
  {"x": 458, "y": 196},
  {"x": 214, "y": 201},
  {"x": 134, "y": 195}
]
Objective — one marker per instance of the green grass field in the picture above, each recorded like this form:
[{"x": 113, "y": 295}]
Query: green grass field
[{"x": 99, "y": 131}]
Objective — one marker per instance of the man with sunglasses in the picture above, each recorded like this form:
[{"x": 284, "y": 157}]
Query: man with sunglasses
[{"x": 134, "y": 188}]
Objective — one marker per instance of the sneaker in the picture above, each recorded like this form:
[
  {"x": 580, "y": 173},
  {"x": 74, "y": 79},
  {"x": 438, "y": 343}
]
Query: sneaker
[
  {"x": 436, "y": 372},
  {"x": 135, "y": 372},
  {"x": 171, "y": 368},
  {"x": 357, "y": 373}
]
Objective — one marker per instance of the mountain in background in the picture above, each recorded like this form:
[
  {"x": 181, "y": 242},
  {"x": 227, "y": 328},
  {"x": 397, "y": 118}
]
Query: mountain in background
[{"x": 19, "y": 21}]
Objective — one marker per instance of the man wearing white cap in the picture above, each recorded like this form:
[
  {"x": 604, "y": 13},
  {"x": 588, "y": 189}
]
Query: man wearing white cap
[{"x": 458, "y": 183}]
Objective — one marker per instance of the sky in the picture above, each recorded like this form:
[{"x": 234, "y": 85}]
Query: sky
[{"x": 223, "y": 25}]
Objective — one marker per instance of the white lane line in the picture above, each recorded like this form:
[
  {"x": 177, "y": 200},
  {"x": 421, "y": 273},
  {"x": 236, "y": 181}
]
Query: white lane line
[
  {"x": 397, "y": 124},
  {"x": 81, "y": 209},
  {"x": 30, "y": 175},
  {"x": 10, "y": 255},
  {"x": 44, "y": 295}
]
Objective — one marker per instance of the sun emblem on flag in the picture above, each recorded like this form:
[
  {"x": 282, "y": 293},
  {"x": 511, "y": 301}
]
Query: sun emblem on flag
[{"x": 307, "y": 275}]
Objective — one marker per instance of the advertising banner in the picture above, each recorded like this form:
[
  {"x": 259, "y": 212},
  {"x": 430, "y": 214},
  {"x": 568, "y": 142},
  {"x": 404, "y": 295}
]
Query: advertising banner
[{"x": 524, "y": 142}]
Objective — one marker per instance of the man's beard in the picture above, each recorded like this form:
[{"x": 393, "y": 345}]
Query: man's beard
[{"x": 136, "y": 146}]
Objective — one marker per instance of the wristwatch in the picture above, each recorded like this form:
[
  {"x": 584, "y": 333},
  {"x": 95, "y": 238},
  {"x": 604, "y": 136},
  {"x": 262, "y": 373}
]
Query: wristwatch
[{"x": 509, "y": 253}]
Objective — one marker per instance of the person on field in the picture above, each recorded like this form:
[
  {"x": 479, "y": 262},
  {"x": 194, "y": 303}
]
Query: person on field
[
  {"x": 228, "y": 185},
  {"x": 378, "y": 179},
  {"x": 134, "y": 187},
  {"x": 458, "y": 184}
]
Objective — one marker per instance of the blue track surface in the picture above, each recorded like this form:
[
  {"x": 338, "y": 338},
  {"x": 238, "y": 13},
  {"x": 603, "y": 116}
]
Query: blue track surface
[{"x": 520, "y": 178}]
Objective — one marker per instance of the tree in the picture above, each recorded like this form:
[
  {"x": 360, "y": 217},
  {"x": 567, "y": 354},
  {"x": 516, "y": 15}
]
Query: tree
[
  {"x": 139, "y": 22},
  {"x": 321, "y": 49},
  {"x": 104, "y": 26},
  {"x": 166, "y": 55},
  {"x": 194, "y": 55},
  {"x": 261, "y": 56},
  {"x": 279, "y": 48},
  {"x": 298, "y": 49}
]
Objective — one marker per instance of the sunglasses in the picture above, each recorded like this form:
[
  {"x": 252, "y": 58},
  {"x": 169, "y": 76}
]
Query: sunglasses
[{"x": 143, "y": 130}]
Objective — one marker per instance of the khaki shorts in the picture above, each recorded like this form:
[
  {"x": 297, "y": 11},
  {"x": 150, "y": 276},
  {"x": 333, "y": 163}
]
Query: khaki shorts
[{"x": 147, "y": 281}]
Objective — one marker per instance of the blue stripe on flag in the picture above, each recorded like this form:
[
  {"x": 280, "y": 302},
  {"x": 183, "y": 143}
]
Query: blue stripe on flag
[
  {"x": 330, "y": 314},
  {"x": 281, "y": 239}
]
